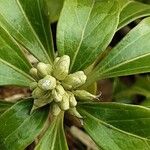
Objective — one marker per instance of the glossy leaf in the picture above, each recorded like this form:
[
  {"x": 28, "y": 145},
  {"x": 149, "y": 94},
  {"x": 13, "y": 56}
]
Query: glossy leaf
[
  {"x": 85, "y": 29},
  {"x": 146, "y": 103},
  {"x": 140, "y": 87},
  {"x": 123, "y": 3},
  {"x": 133, "y": 11},
  {"x": 28, "y": 24},
  {"x": 12, "y": 72},
  {"x": 4, "y": 106},
  {"x": 117, "y": 126},
  {"x": 54, "y": 138},
  {"x": 18, "y": 128},
  {"x": 130, "y": 56},
  {"x": 54, "y": 7}
]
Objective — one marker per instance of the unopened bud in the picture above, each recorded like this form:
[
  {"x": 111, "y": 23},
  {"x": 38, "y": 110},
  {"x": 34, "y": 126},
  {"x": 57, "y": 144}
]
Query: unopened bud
[
  {"x": 43, "y": 69},
  {"x": 64, "y": 104},
  {"x": 33, "y": 73},
  {"x": 84, "y": 95},
  {"x": 72, "y": 100},
  {"x": 55, "y": 110},
  {"x": 56, "y": 60},
  {"x": 40, "y": 103},
  {"x": 47, "y": 83},
  {"x": 37, "y": 93},
  {"x": 74, "y": 112},
  {"x": 33, "y": 85},
  {"x": 72, "y": 81},
  {"x": 61, "y": 67},
  {"x": 60, "y": 90},
  {"x": 56, "y": 96}
]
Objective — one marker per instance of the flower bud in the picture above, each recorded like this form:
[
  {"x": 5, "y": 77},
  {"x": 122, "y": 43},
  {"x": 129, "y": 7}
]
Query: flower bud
[
  {"x": 55, "y": 110},
  {"x": 56, "y": 60},
  {"x": 47, "y": 83},
  {"x": 74, "y": 112},
  {"x": 84, "y": 95},
  {"x": 60, "y": 90},
  {"x": 33, "y": 73},
  {"x": 37, "y": 93},
  {"x": 72, "y": 100},
  {"x": 43, "y": 69},
  {"x": 61, "y": 67},
  {"x": 33, "y": 85},
  {"x": 64, "y": 104},
  {"x": 72, "y": 81},
  {"x": 40, "y": 103},
  {"x": 56, "y": 96}
]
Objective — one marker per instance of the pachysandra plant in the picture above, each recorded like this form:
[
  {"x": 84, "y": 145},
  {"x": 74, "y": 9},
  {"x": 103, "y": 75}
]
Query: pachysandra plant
[{"x": 60, "y": 79}]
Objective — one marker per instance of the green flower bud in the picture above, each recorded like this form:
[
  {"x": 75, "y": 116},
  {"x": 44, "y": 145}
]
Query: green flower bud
[
  {"x": 74, "y": 112},
  {"x": 33, "y": 73},
  {"x": 40, "y": 103},
  {"x": 58, "y": 93},
  {"x": 61, "y": 67},
  {"x": 55, "y": 110},
  {"x": 64, "y": 104},
  {"x": 43, "y": 69},
  {"x": 72, "y": 100},
  {"x": 60, "y": 89},
  {"x": 56, "y": 60},
  {"x": 33, "y": 85},
  {"x": 37, "y": 93},
  {"x": 72, "y": 81},
  {"x": 47, "y": 83},
  {"x": 56, "y": 96},
  {"x": 84, "y": 95}
]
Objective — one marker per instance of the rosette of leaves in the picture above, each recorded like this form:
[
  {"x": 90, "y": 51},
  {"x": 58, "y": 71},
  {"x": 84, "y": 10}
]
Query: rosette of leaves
[{"x": 85, "y": 29}]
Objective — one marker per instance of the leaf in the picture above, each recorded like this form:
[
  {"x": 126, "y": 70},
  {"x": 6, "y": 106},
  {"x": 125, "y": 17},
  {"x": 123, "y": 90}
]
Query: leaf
[
  {"x": 80, "y": 23},
  {"x": 132, "y": 11},
  {"x": 14, "y": 67},
  {"x": 54, "y": 7},
  {"x": 28, "y": 24},
  {"x": 117, "y": 126},
  {"x": 4, "y": 106},
  {"x": 18, "y": 128},
  {"x": 146, "y": 103},
  {"x": 140, "y": 87},
  {"x": 123, "y": 3},
  {"x": 130, "y": 56},
  {"x": 54, "y": 138}
]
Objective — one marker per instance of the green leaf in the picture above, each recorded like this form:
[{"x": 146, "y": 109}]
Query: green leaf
[
  {"x": 12, "y": 53},
  {"x": 117, "y": 126},
  {"x": 144, "y": 1},
  {"x": 123, "y": 3},
  {"x": 133, "y": 11},
  {"x": 54, "y": 7},
  {"x": 14, "y": 67},
  {"x": 54, "y": 138},
  {"x": 130, "y": 56},
  {"x": 146, "y": 103},
  {"x": 27, "y": 22},
  {"x": 140, "y": 87},
  {"x": 4, "y": 106},
  {"x": 18, "y": 128},
  {"x": 85, "y": 29}
]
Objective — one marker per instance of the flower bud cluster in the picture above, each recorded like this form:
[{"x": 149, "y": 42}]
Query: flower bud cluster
[{"x": 55, "y": 86}]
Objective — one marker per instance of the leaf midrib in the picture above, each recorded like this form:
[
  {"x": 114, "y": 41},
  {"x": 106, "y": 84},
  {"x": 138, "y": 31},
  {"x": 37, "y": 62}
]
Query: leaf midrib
[
  {"x": 16, "y": 69},
  {"x": 121, "y": 52},
  {"x": 114, "y": 128},
  {"x": 29, "y": 23},
  {"x": 82, "y": 36}
]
